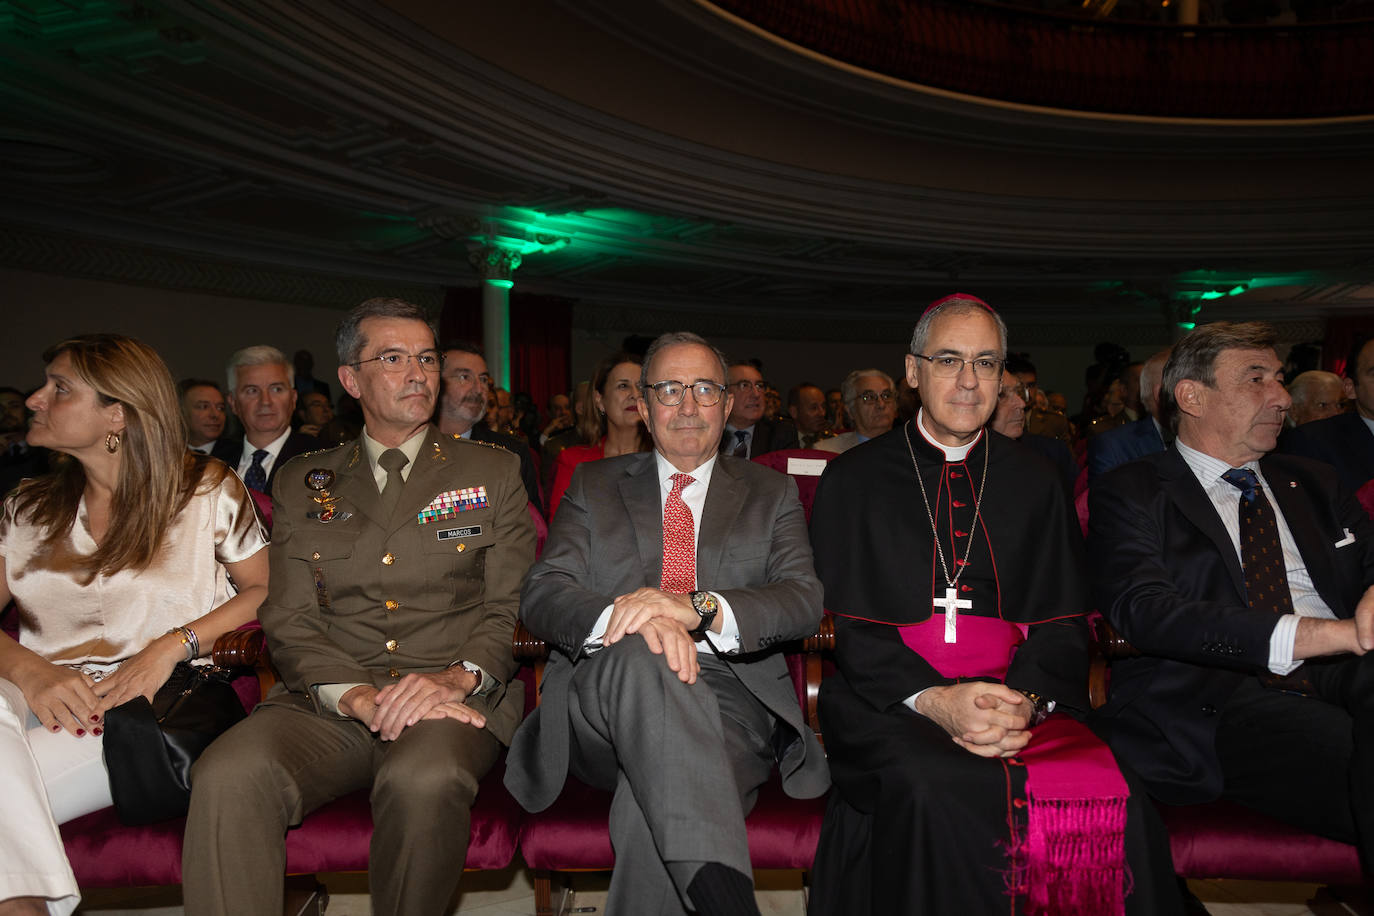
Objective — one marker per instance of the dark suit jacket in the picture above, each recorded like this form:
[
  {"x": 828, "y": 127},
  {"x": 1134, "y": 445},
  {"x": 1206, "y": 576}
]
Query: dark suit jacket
[
  {"x": 1059, "y": 455},
  {"x": 230, "y": 451},
  {"x": 607, "y": 540},
  {"x": 1168, "y": 578},
  {"x": 518, "y": 447},
  {"x": 1342, "y": 441},
  {"x": 1123, "y": 444},
  {"x": 456, "y": 580},
  {"x": 769, "y": 436}
]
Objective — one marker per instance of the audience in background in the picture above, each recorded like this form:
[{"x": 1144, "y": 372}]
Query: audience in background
[
  {"x": 462, "y": 404},
  {"x": 204, "y": 411},
  {"x": 806, "y": 405},
  {"x": 18, "y": 459},
  {"x": 313, "y": 413},
  {"x": 1316, "y": 395},
  {"x": 1345, "y": 441},
  {"x": 748, "y": 433},
  {"x": 870, "y": 400},
  {"x": 1133, "y": 440},
  {"x": 262, "y": 396},
  {"x": 614, "y": 427}
]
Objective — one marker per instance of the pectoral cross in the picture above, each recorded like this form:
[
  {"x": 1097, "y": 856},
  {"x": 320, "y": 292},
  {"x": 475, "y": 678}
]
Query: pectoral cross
[{"x": 951, "y": 604}]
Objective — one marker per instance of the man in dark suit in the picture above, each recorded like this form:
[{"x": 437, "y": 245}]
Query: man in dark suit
[
  {"x": 666, "y": 578},
  {"x": 748, "y": 433},
  {"x": 463, "y": 404},
  {"x": 396, "y": 567},
  {"x": 261, "y": 395},
  {"x": 1134, "y": 440},
  {"x": 1244, "y": 580},
  {"x": 1345, "y": 441}
]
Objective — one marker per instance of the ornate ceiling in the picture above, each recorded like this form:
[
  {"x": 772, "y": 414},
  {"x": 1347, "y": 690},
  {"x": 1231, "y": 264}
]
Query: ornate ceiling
[{"x": 645, "y": 157}]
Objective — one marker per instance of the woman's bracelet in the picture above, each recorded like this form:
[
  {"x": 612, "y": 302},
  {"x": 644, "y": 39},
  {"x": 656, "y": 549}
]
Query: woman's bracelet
[{"x": 189, "y": 640}]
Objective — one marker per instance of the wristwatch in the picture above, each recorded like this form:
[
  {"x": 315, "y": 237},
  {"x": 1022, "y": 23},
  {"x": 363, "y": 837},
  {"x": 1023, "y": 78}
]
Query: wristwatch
[
  {"x": 706, "y": 606},
  {"x": 1040, "y": 707}
]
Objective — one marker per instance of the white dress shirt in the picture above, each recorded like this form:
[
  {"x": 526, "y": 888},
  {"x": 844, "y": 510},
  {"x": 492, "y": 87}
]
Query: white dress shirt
[
  {"x": 272, "y": 448},
  {"x": 694, "y": 496},
  {"x": 1226, "y": 500}
]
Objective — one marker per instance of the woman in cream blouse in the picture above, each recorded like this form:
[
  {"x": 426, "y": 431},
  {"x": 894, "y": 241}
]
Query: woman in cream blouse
[{"x": 131, "y": 555}]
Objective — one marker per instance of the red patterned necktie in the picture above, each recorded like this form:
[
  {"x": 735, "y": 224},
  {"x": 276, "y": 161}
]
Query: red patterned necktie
[{"x": 679, "y": 540}]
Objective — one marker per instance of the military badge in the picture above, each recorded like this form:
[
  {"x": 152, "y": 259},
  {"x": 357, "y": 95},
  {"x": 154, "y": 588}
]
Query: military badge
[{"x": 449, "y": 503}]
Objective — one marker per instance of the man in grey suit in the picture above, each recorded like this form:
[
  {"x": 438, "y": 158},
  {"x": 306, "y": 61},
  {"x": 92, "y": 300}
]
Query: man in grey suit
[{"x": 665, "y": 579}]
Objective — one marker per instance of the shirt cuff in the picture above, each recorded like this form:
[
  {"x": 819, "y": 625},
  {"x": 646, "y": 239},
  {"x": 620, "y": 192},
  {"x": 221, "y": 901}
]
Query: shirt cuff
[
  {"x": 486, "y": 683},
  {"x": 910, "y": 702},
  {"x": 1281, "y": 645},
  {"x": 593, "y": 640},
  {"x": 727, "y": 640},
  {"x": 329, "y": 696}
]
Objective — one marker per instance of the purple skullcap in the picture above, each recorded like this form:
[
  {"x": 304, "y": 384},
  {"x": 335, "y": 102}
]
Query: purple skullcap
[{"x": 951, "y": 297}]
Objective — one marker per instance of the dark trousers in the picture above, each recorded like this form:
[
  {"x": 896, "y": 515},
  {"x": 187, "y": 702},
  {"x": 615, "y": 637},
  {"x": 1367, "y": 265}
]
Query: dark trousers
[
  {"x": 685, "y": 764},
  {"x": 273, "y": 768},
  {"x": 1306, "y": 760}
]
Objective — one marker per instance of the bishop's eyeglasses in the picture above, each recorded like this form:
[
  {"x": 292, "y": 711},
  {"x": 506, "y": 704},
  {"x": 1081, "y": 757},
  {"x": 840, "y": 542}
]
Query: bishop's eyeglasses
[
  {"x": 984, "y": 367},
  {"x": 670, "y": 393}
]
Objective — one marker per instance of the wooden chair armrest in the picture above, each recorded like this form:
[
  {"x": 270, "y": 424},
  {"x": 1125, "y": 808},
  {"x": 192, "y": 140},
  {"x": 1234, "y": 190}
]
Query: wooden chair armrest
[
  {"x": 1107, "y": 645},
  {"x": 527, "y": 647},
  {"x": 246, "y": 648}
]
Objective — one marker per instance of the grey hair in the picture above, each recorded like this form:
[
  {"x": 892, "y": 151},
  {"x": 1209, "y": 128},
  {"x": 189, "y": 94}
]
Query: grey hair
[
  {"x": 955, "y": 305},
  {"x": 1301, "y": 389},
  {"x": 349, "y": 340},
  {"x": 261, "y": 355},
  {"x": 673, "y": 339},
  {"x": 1195, "y": 358},
  {"x": 849, "y": 388}
]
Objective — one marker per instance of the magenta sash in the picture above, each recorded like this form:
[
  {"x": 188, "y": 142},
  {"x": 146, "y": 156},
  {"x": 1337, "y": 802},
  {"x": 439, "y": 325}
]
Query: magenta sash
[{"x": 1072, "y": 859}]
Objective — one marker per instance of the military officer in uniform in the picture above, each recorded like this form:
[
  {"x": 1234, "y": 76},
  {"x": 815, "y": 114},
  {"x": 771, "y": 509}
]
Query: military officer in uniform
[{"x": 396, "y": 567}]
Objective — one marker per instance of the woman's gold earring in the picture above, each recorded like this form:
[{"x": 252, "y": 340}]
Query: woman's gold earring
[{"x": 112, "y": 442}]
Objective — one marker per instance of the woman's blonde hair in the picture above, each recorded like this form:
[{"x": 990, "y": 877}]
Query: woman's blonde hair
[{"x": 157, "y": 472}]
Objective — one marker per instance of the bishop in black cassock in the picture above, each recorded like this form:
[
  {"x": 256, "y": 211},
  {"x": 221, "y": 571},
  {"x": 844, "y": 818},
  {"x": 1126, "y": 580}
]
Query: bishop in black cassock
[{"x": 918, "y": 824}]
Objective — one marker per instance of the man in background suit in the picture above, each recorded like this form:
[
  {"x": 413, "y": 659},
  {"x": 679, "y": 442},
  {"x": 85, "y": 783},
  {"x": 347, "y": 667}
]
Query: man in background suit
[
  {"x": 1244, "y": 580},
  {"x": 666, "y": 577},
  {"x": 1134, "y": 440},
  {"x": 748, "y": 433},
  {"x": 396, "y": 568},
  {"x": 463, "y": 404},
  {"x": 870, "y": 400},
  {"x": 1345, "y": 441},
  {"x": 261, "y": 395}
]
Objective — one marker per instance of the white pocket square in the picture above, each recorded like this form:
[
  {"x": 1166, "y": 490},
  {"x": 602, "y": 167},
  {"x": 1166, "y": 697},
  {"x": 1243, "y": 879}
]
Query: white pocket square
[{"x": 1347, "y": 540}]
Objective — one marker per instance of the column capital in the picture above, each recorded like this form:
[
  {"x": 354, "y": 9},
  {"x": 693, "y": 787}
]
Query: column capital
[{"x": 493, "y": 262}]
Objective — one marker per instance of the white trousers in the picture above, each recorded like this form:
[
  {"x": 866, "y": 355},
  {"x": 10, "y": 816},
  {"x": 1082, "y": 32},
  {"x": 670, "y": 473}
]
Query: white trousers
[{"x": 49, "y": 779}]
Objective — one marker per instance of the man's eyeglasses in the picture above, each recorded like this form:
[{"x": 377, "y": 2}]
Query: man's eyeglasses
[
  {"x": 869, "y": 397},
  {"x": 1021, "y": 391},
  {"x": 463, "y": 377},
  {"x": 986, "y": 368},
  {"x": 429, "y": 361},
  {"x": 671, "y": 393},
  {"x": 745, "y": 384}
]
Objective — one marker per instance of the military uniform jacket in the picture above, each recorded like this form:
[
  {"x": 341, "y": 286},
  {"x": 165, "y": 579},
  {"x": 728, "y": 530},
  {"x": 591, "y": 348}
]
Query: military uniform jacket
[{"x": 358, "y": 598}]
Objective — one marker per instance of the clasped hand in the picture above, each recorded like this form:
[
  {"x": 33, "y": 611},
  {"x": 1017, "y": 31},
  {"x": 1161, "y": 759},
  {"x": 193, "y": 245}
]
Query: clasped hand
[
  {"x": 63, "y": 698},
  {"x": 990, "y": 720},
  {"x": 664, "y": 620},
  {"x": 415, "y": 697}
]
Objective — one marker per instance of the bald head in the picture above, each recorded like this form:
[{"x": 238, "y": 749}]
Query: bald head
[
  {"x": 1151, "y": 375},
  {"x": 1316, "y": 395}
]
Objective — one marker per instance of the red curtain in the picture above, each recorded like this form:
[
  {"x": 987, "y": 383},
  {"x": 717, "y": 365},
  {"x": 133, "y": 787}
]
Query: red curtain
[
  {"x": 540, "y": 337},
  {"x": 1341, "y": 334}
]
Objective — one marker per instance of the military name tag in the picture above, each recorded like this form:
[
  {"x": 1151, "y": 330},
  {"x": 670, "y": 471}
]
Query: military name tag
[{"x": 471, "y": 531}]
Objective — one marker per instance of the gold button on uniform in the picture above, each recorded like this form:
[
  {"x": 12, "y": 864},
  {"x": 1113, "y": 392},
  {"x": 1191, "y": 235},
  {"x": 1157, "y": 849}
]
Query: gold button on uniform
[
  {"x": 315, "y": 555},
  {"x": 461, "y": 547},
  {"x": 392, "y": 605},
  {"x": 394, "y": 673},
  {"x": 388, "y": 558},
  {"x": 392, "y": 645}
]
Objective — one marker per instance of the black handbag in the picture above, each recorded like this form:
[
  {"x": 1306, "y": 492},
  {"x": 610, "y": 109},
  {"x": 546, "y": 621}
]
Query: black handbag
[{"x": 150, "y": 747}]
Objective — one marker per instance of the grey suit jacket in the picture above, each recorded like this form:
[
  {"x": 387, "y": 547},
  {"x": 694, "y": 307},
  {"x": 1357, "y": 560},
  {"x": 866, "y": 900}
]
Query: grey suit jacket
[{"x": 607, "y": 540}]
